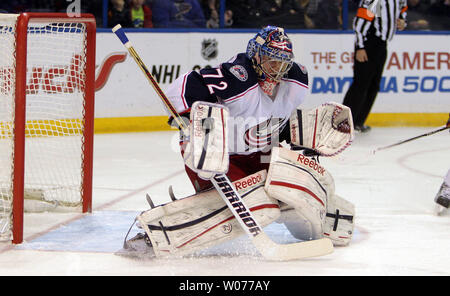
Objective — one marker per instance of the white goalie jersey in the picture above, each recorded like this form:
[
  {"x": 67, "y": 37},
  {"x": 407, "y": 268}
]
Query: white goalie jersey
[{"x": 255, "y": 120}]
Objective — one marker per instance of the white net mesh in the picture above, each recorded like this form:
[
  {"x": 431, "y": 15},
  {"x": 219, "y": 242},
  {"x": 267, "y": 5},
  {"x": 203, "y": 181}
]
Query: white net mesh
[
  {"x": 54, "y": 116},
  {"x": 7, "y": 76}
]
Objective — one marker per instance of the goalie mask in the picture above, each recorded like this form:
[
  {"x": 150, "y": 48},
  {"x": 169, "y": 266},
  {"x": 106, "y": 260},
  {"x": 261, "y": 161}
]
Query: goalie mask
[{"x": 271, "y": 53}]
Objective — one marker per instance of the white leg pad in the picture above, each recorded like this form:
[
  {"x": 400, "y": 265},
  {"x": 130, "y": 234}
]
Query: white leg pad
[
  {"x": 203, "y": 220},
  {"x": 339, "y": 221},
  {"x": 304, "y": 185}
]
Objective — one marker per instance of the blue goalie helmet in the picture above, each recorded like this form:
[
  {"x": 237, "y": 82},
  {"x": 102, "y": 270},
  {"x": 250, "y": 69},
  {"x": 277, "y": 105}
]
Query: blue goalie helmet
[{"x": 271, "y": 52}]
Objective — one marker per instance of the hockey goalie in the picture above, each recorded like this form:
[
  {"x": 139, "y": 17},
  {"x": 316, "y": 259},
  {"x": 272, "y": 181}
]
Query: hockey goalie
[{"x": 246, "y": 121}]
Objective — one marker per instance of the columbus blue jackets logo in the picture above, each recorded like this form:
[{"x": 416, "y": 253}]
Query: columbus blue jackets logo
[
  {"x": 239, "y": 72},
  {"x": 209, "y": 49},
  {"x": 265, "y": 133}
]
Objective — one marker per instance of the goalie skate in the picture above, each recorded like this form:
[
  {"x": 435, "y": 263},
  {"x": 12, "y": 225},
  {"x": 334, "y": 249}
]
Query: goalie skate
[
  {"x": 442, "y": 199},
  {"x": 138, "y": 247}
]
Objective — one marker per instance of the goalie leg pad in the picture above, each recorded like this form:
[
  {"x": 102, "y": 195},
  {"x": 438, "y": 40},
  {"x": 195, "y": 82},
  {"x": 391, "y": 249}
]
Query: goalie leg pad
[
  {"x": 203, "y": 220},
  {"x": 339, "y": 221},
  {"x": 302, "y": 184},
  {"x": 299, "y": 226}
]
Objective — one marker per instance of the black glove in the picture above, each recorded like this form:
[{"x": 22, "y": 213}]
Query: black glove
[{"x": 306, "y": 151}]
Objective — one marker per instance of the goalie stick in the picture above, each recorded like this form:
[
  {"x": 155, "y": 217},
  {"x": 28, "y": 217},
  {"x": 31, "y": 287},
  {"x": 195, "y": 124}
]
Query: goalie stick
[
  {"x": 411, "y": 139},
  {"x": 268, "y": 248}
]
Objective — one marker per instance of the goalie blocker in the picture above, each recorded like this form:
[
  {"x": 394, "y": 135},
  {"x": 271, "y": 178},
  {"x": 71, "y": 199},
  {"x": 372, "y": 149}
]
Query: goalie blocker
[{"x": 206, "y": 152}]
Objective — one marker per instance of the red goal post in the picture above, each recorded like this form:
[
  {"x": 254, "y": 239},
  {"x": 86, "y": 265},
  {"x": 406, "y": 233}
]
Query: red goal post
[{"x": 47, "y": 70}]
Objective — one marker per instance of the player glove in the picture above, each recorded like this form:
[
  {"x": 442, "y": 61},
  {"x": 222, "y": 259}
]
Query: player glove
[{"x": 327, "y": 129}]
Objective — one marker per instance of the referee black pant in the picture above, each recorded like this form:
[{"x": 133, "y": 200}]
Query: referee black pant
[{"x": 366, "y": 80}]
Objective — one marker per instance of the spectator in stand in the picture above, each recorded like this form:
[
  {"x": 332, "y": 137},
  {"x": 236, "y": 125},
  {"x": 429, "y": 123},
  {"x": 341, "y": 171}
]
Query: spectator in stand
[
  {"x": 178, "y": 14},
  {"x": 331, "y": 16},
  {"x": 61, "y": 5},
  {"x": 311, "y": 8},
  {"x": 6, "y": 7},
  {"x": 245, "y": 13},
  {"x": 258, "y": 13},
  {"x": 418, "y": 12},
  {"x": 96, "y": 8},
  {"x": 281, "y": 6},
  {"x": 323, "y": 14},
  {"x": 118, "y": 13},
  {"x": 211, "y": 11},
  {"x": 140, "y": 14},
  {"x": 440, "y": 11},
  {"x": 283, "y": 13},
  {"x": 14, "y": 6},
  {"x": 39, "y": 5}
]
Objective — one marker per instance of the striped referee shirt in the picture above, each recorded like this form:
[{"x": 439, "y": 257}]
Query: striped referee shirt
[{"x": 380, "y": 16}]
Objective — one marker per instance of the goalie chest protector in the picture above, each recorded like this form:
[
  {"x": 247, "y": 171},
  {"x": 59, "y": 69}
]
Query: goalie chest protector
[{"x": 255, "y": 117}]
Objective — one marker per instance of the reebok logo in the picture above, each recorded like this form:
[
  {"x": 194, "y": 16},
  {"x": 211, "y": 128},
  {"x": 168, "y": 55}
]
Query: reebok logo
[
  {"x": 248, "y": 182},
  {"x": 310, "y": 163}
]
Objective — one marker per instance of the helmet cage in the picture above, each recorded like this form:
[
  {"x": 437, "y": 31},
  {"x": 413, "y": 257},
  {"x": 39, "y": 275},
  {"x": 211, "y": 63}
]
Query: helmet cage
[
  {"x": 274, "y": 66},
  {"x": 271, "y": 44}
]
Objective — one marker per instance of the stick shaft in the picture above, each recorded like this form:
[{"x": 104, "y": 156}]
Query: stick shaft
[
  {"x": 235, "y": 203},
  {"x": 123, "y": 38},
  {"x": 414, "y": 138}
]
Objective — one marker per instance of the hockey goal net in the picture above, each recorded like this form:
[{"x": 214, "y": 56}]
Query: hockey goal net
[{"x": 47, "y": 74}]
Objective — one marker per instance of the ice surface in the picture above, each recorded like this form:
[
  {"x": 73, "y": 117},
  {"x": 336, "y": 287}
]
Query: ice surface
[{"x": 393, "y": 191}]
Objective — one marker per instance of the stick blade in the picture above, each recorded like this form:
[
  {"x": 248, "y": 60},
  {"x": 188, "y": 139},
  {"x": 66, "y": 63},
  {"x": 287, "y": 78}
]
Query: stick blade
[{"x": 296, "y": 251}]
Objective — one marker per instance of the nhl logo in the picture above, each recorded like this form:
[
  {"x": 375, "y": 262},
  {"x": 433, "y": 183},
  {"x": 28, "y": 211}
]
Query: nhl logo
[{"x": 209, "y": 49}]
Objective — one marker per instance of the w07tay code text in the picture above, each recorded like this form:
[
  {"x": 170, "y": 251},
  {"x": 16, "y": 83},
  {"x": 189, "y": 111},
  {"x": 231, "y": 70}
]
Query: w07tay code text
[{"x": 202, "y": 287}]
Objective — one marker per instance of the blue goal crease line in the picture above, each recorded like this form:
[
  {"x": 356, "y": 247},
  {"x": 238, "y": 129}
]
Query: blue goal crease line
[
  {"x": 102, "y": 231},
  {"x": 105, "y": 231}
]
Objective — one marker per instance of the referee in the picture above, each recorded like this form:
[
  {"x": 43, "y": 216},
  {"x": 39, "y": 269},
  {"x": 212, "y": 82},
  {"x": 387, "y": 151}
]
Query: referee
[{"x": 375, "y": 24}]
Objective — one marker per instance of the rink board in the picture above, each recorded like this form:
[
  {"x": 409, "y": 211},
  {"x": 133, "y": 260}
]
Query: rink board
[
  {"x": 159, "y": 123},
  {"x": 414, "y": 90}
]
